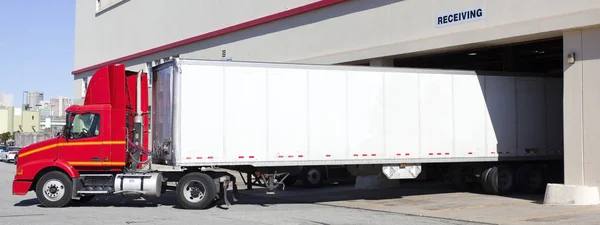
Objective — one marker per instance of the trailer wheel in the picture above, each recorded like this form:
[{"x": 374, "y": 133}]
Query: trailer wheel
[
  {"x": 498, "y": 180},
  {"x": 530, "y": 179},
  {"x": 54, "y": 189},
  {"x": 195, "y": 191},
  {"x": 313, "y": 177}
]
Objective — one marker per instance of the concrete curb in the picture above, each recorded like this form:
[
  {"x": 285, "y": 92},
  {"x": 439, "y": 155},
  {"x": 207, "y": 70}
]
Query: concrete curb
[{"x": 560, "y": 194}]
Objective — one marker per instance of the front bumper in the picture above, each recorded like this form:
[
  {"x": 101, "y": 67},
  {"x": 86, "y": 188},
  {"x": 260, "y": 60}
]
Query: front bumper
[{"x": 21, "y": 187}]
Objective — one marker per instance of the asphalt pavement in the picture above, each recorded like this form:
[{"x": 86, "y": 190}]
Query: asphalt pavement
[{"x": 251, "y": 209}]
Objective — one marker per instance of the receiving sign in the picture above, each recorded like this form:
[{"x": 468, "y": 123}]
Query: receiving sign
[{"x": 463, "y": 16}]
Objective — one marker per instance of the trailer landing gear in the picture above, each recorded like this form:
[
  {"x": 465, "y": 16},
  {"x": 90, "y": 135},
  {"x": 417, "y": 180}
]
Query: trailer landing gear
[{"x": 272, "y": 181}]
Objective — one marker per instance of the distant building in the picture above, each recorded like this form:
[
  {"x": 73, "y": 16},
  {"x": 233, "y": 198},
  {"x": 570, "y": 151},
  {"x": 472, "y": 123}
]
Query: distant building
[
  {"x": 6, "y": 119},
  {"x": 54, "y": 108},
  {"x": 6, "y": 100},
  {"x": 45, "y": 109},
  {"x": 59, "y": 104},
  {"x": 53, "y": 125},
  {"x": 26, "y": 121},
  {"x": 34, "y": 100}
]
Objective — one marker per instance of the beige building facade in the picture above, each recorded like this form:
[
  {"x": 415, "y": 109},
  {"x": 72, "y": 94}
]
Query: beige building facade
[{"x": 17, "y": 120}]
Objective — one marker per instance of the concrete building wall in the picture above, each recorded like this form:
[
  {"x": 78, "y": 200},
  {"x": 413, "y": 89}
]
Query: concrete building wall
[
  {"x": 6, "y": 119},
  {"x": 133, "y": 26},
  {"x": 28, "y": 121},
  {"x": 582, "y": 120},
  {"x": 346, "y": 32}
]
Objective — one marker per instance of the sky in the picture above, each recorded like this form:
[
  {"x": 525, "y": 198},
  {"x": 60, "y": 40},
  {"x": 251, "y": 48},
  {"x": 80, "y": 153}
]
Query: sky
[{"x": 37, "y": 47}]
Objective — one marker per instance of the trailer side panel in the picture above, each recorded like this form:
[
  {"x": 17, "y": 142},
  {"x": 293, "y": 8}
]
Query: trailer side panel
[{"x": 261, "y": 114}]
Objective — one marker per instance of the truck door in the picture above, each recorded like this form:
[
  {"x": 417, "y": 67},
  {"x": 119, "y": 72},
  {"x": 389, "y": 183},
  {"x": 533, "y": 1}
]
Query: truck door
[{"x": 84, "y": 147}]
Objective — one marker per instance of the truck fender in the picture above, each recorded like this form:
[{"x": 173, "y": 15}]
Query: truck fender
[
  {"x": 71, "y": 171},
  {"x": 29, "y": 170}
]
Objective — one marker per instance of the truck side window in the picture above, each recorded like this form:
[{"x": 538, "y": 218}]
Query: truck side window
[{"x": 85, "y": 125}]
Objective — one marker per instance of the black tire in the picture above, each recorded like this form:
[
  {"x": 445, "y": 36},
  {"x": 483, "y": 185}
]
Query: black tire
[
  {"x": 187, "y": 194},
  {"x": 312, "y": 177},
  {"x": 486, "y": 184},
  {"x": 531, "y": 179},
  {"x": 498, "y": 180},
  {"x": 54, "y": 189},
  {"x": 506, "y": 181}
]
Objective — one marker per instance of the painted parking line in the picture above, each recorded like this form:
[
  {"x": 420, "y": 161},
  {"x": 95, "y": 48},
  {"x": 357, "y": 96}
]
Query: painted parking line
[
  {"x": 473, "y": 207},
  {"x": 547, "y": 215}
]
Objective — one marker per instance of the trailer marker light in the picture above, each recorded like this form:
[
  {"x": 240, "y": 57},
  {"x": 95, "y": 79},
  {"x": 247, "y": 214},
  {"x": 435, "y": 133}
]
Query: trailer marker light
[
  {"x": 290, "y": 156},
  {"x": 300, "y": 156},
  {"x": 447, "y": 153},
  {"x": 493, "y": 153},
  {"x": 439, "y": 153},
  {"x": 240, "y": 157},
  {"x": 430, "y": 153},
  {"x": 199, "y": 157},
  {"x": 398, "y": 154},
  {"x": 373, "y": 154},
  {"x": 328, "y": 155},
  {"x": 355, "y": 154},
  {"x": 470, "y": 153},
  {"x": 210, "y": 157},
  {"x": 279, "y": 156},
  {"x": 252, "y": 157},
  {"x": 364, "y": 154},
  {"x": 188, "y": 157},
  {"x": 407, "y": 154}
]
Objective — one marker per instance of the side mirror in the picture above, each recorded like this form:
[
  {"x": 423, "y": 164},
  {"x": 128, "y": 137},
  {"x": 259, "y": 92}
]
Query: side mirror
[{"x": 65, "y": 132}]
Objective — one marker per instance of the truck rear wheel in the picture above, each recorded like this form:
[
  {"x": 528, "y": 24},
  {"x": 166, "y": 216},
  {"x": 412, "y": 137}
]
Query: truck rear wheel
[
  {"x": 498, "y": 180},
  {"x": 54, "y": 189},
  {"x": 313, "y": 177},
  {"x": 531, "y": 179},
  {"x": 195, "y": 191}
]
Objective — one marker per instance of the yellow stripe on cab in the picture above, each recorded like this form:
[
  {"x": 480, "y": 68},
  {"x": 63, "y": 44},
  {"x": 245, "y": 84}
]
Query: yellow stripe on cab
[{"x": 71, "y": 144}]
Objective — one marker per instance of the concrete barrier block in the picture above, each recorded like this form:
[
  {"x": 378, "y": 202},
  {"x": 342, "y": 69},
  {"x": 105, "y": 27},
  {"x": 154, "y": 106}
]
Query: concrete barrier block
[{"x": 560, "y": 194}]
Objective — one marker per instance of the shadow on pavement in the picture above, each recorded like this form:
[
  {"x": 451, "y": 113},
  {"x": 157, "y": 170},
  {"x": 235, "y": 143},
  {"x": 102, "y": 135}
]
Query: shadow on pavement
[{"x": 292, "y": 195}]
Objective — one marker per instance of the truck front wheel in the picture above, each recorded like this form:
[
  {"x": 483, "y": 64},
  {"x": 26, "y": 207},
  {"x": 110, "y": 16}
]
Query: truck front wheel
[
  {"x": 54, "y": 189},
  {"x": 195, "y": 191}
]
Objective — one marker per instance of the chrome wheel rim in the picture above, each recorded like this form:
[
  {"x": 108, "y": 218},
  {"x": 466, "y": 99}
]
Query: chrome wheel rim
[
  {"x": 54, "y": 190},
  {"x": 194, "y": 191}
]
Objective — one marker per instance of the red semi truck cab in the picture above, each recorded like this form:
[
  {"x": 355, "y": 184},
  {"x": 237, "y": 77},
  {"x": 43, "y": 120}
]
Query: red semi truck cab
[{"x": 99, "y": 138}]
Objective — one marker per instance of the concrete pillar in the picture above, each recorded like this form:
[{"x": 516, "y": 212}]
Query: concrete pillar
[
  {"x": 379, "y": 180},
  {"x": 581, "y": 120}
]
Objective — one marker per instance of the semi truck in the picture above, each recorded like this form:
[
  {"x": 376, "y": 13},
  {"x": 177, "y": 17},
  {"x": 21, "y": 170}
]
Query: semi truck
[{"x": 500, "y": 131}]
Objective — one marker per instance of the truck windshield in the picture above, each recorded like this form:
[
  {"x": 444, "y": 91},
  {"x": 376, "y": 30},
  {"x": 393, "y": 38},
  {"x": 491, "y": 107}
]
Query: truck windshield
[{"x": 85, "y": 125}]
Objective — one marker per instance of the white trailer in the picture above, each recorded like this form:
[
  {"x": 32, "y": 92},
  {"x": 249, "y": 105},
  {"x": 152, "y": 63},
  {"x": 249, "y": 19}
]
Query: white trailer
[{"x": 272, "y": 117}]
